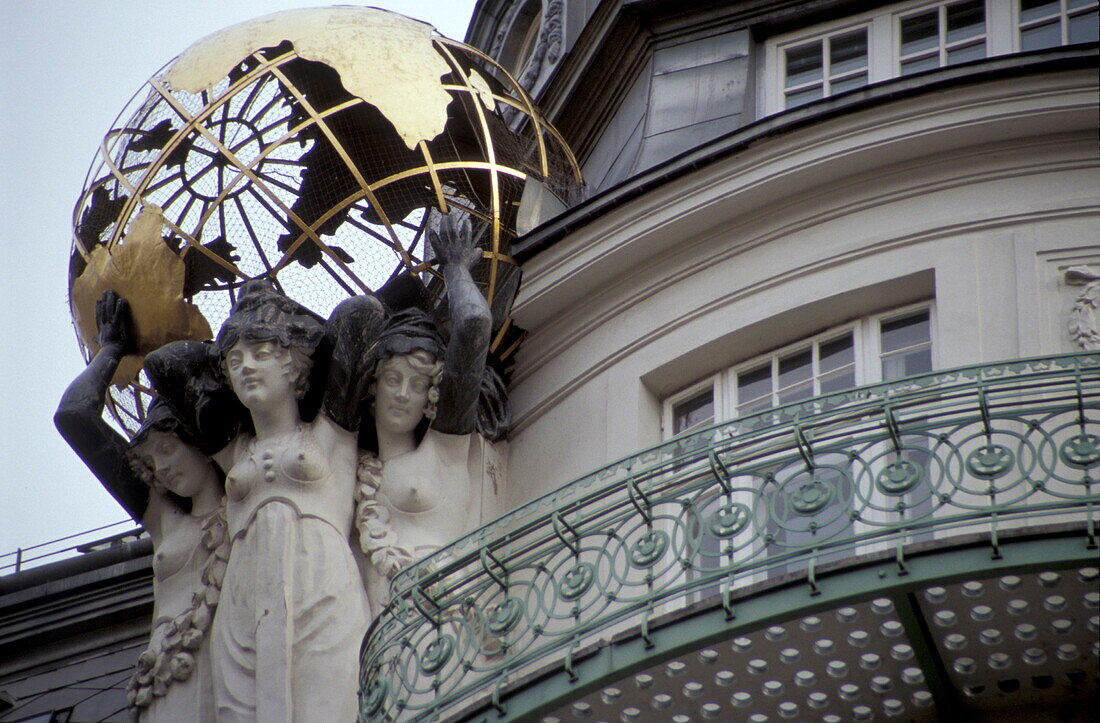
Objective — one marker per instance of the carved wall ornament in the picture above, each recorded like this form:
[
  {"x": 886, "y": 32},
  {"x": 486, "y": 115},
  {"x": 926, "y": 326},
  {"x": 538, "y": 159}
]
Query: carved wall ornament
[
  {"x": 548, "y": 45},
  {"x": 1084, "y": 326}
]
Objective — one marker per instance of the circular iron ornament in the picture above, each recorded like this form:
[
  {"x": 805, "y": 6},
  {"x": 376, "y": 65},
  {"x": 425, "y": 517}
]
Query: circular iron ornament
[
  {"x": 649, "y": 549},
  {"x": 897, "y": 478},
  {"x": 374, "y": 698},
  {"x": 437, "y": 654},
  {"x": 504, "y": 616},
  {"x": 811, "y": 498},
  {"x": 990, "y": 461},
  {"x": 728, "y": 520},
  {"x": 1081, "y": 451},
  {"x": 577, "y": 581}
]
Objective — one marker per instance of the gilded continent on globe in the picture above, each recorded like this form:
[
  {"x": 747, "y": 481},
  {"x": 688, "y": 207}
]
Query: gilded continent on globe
[{"x": 313, "y": 147}]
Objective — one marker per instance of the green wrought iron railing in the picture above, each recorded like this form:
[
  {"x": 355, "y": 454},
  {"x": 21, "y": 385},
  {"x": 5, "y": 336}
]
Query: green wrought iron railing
[{"x": 927, "y": 458}]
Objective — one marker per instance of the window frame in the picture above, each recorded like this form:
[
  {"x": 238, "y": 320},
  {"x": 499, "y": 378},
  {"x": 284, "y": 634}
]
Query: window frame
[
  {"x": 1063, "y": 14},
  {"x": 827, "y": 79},
  {"x": 813, "y": 342},
  {"x": 1002, "y": 36},
  {"x": 866, "y": 334},
  {"x": 668, "y": 419},
  {"x": 943, "y": 46}
]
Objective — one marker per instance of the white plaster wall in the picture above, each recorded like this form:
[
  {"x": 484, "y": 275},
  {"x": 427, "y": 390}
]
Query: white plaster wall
[{"x": 979, "y": 197}]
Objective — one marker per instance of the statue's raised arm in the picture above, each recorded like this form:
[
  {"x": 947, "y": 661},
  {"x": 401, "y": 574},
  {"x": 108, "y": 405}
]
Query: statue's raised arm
[
  {"x": 79, "y": 415},
  {"x": 165, "y": 482},
  {"x": 470, "y": 319}
]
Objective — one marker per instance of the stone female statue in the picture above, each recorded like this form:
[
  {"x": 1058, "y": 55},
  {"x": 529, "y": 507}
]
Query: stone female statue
[
  {"x": 418, "y": 494},
  {"x": 165, "y": 482},
  {"x": 293, "y": 609}
]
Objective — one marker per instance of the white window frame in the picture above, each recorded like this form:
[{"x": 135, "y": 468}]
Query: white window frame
[
  {"x": 943, "y": 46},
  {"x": 1002, "y": 36},
  {"x": 1063, "y": 14},
  {"x": 731, "y": 409},
  {"x": 668, "y": 420},
  {"x": 866, "y": 339},
  {"x": 825, "y": 42}
]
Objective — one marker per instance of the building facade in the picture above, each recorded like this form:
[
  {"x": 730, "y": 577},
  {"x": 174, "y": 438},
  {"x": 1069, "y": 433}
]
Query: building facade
[
  {"x": 789, "y": 441},
  {"x": 806, "y": 421}
]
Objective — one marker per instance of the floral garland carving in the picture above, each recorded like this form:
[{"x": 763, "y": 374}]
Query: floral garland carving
[
  {"x": 1082, "y": 317},
  {"x": 372, "y": 518},
  {"x": 171, "y": 655}
]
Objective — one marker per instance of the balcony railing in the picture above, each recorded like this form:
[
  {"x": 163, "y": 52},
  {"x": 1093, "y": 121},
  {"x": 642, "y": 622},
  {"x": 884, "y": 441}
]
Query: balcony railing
[{"x": 874, "y": 469}]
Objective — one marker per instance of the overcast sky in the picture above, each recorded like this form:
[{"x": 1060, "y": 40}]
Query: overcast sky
[{"x": 66, "y": 70}]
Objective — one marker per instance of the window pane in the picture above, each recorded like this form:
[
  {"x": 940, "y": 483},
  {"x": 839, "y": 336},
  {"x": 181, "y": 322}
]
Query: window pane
[
  {"x": 848, "y": 52},
  {"x": 1084, "y": 28},
  {"x": 906, "y": 363},
  {"x": 754, "y": 389},
  {"x": 844, "y": 378},
  {"x": 804, "y": 96},
  {"x": 695, "y": 412},
  {"x": 804, "y": 64},
  {"x": 968, "y": 52},
  {"x": 929, "y": 62},
  {"x": 855, "y": 81},
  {"x": 1079, "y": 3},
  {"x": 919, "y": 32},
  {"x": 796, "y": 368},
  {"x": 805, "y": 390},
  {"x": 904, "y": 332},
  {"x": 1035, "y": 9},
  {"x": 835, "y": 354},
  {"x": 1048, "y": 35},
  {"x": 965, "y": 20}
]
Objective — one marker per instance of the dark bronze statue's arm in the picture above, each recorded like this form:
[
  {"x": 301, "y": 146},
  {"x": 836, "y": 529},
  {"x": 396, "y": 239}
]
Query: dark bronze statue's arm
[
  {"x": 79, "y": 415},
  {"x": 352, "y": 330},
  {"x": 471, "y": 324}
]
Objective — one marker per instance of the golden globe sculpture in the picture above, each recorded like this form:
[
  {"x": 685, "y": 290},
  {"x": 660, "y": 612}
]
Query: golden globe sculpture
[{"x": 313, "y": 147}]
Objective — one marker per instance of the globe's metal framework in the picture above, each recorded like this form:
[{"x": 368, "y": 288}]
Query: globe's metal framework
[{"x": 276, "y": 169}]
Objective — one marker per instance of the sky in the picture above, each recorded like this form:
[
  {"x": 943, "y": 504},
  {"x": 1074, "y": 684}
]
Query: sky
[{"x": 66, "y": 70}]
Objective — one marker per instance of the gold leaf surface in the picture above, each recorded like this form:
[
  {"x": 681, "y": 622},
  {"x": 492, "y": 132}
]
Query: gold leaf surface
[
  {"x": 149, "y": 275},
  {"x": 384, "y": 58}
]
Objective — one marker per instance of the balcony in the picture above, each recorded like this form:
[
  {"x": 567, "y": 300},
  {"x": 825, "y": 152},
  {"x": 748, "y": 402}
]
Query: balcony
[{"x": 924, "y": 548}]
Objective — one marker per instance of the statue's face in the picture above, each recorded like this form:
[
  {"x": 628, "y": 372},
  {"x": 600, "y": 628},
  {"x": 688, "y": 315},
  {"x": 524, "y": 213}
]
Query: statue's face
[
  {"x": 181, "y": 468},
  {"x": 400, "y": 395},
  {"x": 261, "y": 373}
]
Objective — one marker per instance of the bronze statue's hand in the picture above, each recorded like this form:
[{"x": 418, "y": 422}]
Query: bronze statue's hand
[
  {"x": 112, "y": 318},
  {"x": 454, "y": 244}
]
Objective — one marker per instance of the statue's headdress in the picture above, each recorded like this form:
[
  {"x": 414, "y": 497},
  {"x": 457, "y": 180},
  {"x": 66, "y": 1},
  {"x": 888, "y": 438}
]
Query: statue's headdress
[
  {"x": 263, "y": 314},
  {"x": 170, "y": 370}
]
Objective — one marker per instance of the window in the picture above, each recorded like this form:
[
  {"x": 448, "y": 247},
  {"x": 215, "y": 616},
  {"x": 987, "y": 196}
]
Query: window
[
  {"x": 944, "y": 35},
  {"x": 825, "y": 66},
  {"x": 881, "y": 347},
  {"x": 1049, "y": 23},
  {"x": 910, "y": 37},
  {"x": 826, "y": 364},
  {"x": 693, "y": 413}
]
